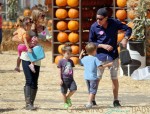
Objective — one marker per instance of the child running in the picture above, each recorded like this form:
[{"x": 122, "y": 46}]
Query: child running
[
  {"x": 91, "y": 63},
  {"x": 66, "y": 78},
  {"x": 26, "y": 43}
]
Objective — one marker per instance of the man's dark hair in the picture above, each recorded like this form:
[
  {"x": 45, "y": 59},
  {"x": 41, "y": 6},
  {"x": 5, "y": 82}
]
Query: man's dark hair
[{"x": 102, "y": 12}]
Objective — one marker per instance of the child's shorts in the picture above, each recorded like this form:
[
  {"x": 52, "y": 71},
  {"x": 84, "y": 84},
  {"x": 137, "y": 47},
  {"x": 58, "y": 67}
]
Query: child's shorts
[
  {"x": 92, "y": 86},
  {"x": 21, "y": 48},
  {"x": 68, "y": 84}
]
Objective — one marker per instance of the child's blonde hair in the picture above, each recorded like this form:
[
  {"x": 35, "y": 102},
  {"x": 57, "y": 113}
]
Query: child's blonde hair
[
  {"x": 90, "y": 48},
  {"x": 66, "y": 49}
]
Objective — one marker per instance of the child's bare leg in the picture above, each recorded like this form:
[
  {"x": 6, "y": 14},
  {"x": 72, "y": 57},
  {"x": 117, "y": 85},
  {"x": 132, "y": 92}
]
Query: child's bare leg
[
  {"x": 70, "y": 94},
  {"x": 31, "y": 66},
  {"x": 18, "y": 64},
  {"x": 64, "y": 98}
]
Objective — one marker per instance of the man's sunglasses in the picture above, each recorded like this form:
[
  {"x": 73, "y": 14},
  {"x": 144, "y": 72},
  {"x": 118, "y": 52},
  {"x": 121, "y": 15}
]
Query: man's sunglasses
[{"x": 100, "y": 19}]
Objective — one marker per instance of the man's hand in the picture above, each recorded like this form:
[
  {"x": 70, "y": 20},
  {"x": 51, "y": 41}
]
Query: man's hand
[
  {"x": 124, "y": 42},
  {"x": 61, "y": 82},
  {"x": 106, "y": 47}
]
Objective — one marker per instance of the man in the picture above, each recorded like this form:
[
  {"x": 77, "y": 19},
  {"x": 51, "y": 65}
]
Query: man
[{"x": 104, "y": 34}]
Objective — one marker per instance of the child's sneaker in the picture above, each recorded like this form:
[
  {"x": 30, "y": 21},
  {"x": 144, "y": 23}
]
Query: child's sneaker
[
  {"x": 66, "y": 106},
  {"x": 31, "y": 66},
  {"x": 88, "y": 105},
  {"x": 69, "y": 102},
  {"x": 116, "y": 103},
  {"x": 17, "y": 69}
]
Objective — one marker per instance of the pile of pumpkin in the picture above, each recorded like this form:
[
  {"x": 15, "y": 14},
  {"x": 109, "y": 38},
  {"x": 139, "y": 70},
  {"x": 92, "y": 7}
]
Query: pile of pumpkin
[{"x": 71, "y": 24}]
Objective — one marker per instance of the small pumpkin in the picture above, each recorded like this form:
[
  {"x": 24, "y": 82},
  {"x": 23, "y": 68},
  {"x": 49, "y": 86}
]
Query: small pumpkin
[
  {"x": 73, "y": 37},
  {"x": 75, "y": 49},
  {"x": 121, "y": 14},
  {"x": 61, "y": 13},
  {"x": 27, "y": 12},
  {"x": 73, "y": 3},
  {"x": 61, "y": 3},
  {"x": 62, "y": 37},
  {"x": 73, "y": 13},
  {"x": 48, "y": 2},
  {"x": 58, "y": 58},
  {"x": 75, "y": 60},
  {"x": 73, "y": 25},
  {"x": 121, "y": 3},
  {"x": 131, "y": 14},
  {"x": 60, "y": 48},
  {"x": 61, "y": 25},
  {"x": 121, "y": 35}
]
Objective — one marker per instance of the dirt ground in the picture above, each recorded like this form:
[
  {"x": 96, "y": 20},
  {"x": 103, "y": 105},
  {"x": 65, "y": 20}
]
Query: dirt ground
[{"x": 134, "y": 95}]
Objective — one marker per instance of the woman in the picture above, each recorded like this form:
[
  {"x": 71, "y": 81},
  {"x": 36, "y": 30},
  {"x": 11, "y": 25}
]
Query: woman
[{"x": 31, "y": 85}]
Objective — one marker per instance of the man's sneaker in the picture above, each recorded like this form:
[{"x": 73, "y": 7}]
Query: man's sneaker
[
  {"x": 88, "y": 105},
  {"x": 116, "y": 103},
  {"x": 94, "y": 103},
  {"x": 66, "y": 106},
  {"x": 69, "y": 102}
]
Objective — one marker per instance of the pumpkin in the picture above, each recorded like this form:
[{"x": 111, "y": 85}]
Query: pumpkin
[
  {"x": 121, "y": 3},
  {"x": 61, "y": 3},
  {"x": 62, "y": 37},
  {"x": 75, "y": 60},
  {"x": 5, "y": 23},
  {"x": 27, "y": 12},
  {"x": 60, "y": 48},
  {"x": 61, "y": 13},
  {"x": 148, "y": 14},
  {"x": 131, "y": 24},
  {"x": 121, "y": 14},
  {"x": 73, "y": 13},
  {"x": 75, "y": 49},
  {"x": 49, "y": 28},
  {"x": 131, "y": 14},
  {"x": 49, "y": 23},
  {"x": 48, "y": 2},
  {"x": 10, "y": 25},
  {"x": 121, "y": 35},
  {"x": 73, "y": 37},
  {"x": 73, "y": 25},
  {"x": 61, "y": 25},
  {"x": 58, "y": 58},
  {"x": 73, "y": 3}
]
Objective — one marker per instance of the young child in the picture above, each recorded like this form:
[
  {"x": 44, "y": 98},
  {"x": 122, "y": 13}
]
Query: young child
[
  {"x": 91, "y": 63},
  {"x": 66, "y": 78},
  {"x": 26, "y": 43}
]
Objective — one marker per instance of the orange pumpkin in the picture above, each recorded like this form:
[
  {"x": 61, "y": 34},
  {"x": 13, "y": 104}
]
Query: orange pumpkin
[
  {"x": 73, "y": 13},
  {"x": 49, "y": 28},
  {"x": 73, "y": 3},
  {"x": 60, "y": 48},
  {"x": 61, "y": 3},
  {"x": 73, "y": 25},
  {"x": 61, "y": 25},
  {"x": 62, "y": 37},
  {"x": 148, "y": 14},
  {"x": 61, "y": 13},
  {"x": 75, "y": 60},
  {"x": 121, "y": 14},
  {"x": 49, "y": 23},
  {"x": 27, "y": 12},
  {"x": 58, "y": 58},
  {"x": 121, "y": 3},
  {"x": 120, "y": 36},
  {"x": 75, "y": 49},
  {"x": 131, "y": 24},
  {"x": 73, "y": 37},
  {"x": 131, "y": 14},
  {"x": 48, "y": 2},
  {"x": 10, "y": 25}
]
